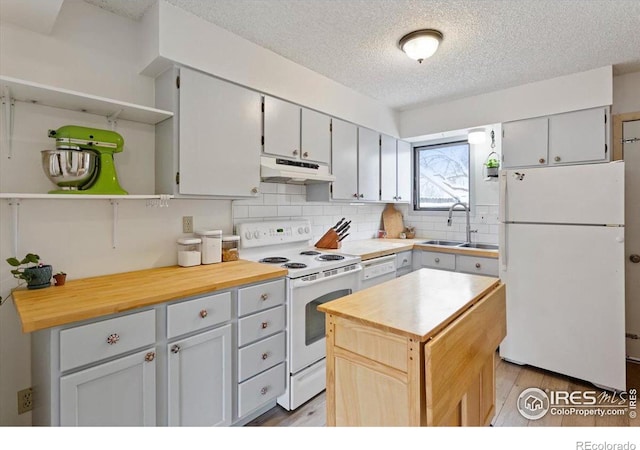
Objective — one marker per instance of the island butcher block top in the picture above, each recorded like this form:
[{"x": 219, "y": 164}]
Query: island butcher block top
[
  {"x": 417, "y": 305},
  {"x": 89, "y": 298}
]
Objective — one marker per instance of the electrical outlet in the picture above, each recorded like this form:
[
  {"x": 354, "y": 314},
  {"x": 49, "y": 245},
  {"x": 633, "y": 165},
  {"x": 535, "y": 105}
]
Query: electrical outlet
[
  {"x": 187, "y": 224},
  {"x": 25, "y": 400}
]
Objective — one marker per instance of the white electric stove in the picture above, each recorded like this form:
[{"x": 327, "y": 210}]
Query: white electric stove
[{"x": 314, "y": 277}]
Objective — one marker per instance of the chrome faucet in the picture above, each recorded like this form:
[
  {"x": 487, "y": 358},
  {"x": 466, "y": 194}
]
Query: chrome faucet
[{"x": 466, "y": 209}]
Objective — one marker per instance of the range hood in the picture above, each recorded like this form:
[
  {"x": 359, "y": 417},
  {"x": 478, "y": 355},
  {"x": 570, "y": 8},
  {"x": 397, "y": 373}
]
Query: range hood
[{"x": 281, "y": 170}]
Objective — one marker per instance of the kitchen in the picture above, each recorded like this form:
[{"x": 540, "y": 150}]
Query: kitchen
[{"x": 82, "y": 27}]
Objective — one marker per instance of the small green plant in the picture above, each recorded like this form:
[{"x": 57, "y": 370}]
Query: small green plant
[
  {"x": 492, "y": 163},
  {"x": 30, "y": 270},
  {"x": 20, "y": 272}
]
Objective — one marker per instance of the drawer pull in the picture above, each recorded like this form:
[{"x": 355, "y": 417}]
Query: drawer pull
[
  {"x": 305, "y": 154},
  {"x": 113, "y": 339},
  {"x": 264, "y": 296},
  {"x": 437, "y": 260},
  {"x": 265, "y": 325},
  {"x": 150, "y": 356},
  {"x": 264, "y": 390},
  {"x": 477, "y": 265},
  {"x": 265, "y": 356},
  {"x": 175, "y": 348},
  {"x": 541, "y": 161},
  {"x": 204, "y": 313}
]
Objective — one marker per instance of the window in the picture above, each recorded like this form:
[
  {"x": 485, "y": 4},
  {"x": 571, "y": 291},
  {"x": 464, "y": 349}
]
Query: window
[{"x": 441, "y": 175}]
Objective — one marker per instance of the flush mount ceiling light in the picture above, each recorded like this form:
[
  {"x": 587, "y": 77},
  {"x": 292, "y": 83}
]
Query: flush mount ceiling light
[
  {"x": 476, "y": 136},
  {"x": 420, "y": 44}
]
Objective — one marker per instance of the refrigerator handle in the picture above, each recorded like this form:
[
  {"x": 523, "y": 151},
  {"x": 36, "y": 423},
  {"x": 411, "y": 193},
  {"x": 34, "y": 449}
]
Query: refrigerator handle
[
  {"x": 502, "y": 213},
  {"x": 504, "y": 251}
]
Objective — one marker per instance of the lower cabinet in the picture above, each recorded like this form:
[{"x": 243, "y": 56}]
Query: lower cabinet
[
  {"x": 479, "y": 265},
  {"x": 198, "y": 361},
  {"x": 199, "y": 381}
]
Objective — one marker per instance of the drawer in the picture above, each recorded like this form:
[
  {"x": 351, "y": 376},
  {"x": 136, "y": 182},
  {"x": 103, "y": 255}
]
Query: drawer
[
  {"x": 403, "y": 259},
  {"x": 260, "y": 356},
  {"x": 262, "y": 296},
  {"x": 481, "y": 266},
  {"x": 260, "y": 325},
  {"x": 96, "y": 341},
  {"x": 259, "y": 390},
  {"x": 437, "y": 260},
  {"x": 198, "y": 313}
]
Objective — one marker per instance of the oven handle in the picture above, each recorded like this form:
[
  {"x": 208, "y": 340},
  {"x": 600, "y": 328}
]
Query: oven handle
[{"x": 299, "y": 283}]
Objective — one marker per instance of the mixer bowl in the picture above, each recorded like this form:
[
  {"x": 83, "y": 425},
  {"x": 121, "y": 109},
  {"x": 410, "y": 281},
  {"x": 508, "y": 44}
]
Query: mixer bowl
[{"x": 69, "y": 169}]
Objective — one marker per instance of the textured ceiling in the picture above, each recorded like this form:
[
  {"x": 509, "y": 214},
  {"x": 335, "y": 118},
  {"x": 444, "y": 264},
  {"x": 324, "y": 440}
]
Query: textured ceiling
[{"x": 488, "y": 44}]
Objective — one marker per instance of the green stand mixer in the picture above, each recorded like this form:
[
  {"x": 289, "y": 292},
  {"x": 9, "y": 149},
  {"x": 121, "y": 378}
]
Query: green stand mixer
[{"x": 82, "y": 162}]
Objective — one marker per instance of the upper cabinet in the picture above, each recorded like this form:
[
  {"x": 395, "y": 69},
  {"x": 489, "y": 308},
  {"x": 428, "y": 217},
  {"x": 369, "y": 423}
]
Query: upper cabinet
[
  {"x": 368, "y": 164},
  {"x": 344, "y": 156},
  {"x": 395, "y": 170},
  {"x": 570, "y": 138},
  {"x": 212, "y": 145},
  {"x": 295, "y": 133}
]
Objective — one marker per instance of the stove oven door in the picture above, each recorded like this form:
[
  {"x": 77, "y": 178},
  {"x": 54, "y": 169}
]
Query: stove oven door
[{"x": 306, "y": 323}]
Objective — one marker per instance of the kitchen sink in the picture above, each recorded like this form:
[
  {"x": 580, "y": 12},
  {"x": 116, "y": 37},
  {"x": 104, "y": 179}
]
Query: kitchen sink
[
  {"x": 446, "y": 243},
  {"x": 480, "y": 246}
]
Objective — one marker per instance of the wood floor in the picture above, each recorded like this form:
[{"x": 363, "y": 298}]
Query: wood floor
[{"x": 511, "y": 380}]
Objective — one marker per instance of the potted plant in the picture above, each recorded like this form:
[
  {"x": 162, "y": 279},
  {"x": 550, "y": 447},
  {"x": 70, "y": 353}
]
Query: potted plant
[
  {"x": 492, "y": 165},
  {"x": 60, "y": 278},
  {"x": 36, "y": 274}
]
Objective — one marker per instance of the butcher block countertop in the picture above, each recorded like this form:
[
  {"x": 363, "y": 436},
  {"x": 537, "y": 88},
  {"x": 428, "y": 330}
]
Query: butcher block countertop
[
  {"x": 417, "y": 305},
  {"x": 374, "y": 248},
  {"x": 89, "y": 298}
]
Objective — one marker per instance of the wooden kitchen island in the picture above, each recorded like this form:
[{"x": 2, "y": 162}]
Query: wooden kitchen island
[{"x": 415, "y": 351}]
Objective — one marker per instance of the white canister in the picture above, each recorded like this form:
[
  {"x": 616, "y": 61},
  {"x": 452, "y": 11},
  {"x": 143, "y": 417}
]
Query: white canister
[
  {"x": 211, "y": 246},
  {"x": 189, "y": 252}
]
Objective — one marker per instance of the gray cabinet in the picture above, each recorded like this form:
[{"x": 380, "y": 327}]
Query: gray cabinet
[
  {"x": 368, "y": 164},
  {"x": 281, "y": 128},
  {"x": 479, "y": 265},
  {"x": 395, "y": 170},
  {"x": 344, "y": 165},
  {"x": 211, "y": 147},
  {"x": 315, "y": 136}
]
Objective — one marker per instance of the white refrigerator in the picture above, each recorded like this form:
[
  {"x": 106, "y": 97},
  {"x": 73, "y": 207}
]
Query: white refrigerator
[{"x": 562, "y": 260}]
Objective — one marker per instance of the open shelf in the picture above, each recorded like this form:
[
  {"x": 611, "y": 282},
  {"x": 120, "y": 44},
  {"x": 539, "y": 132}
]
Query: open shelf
[{"x": 27, "y": 91}]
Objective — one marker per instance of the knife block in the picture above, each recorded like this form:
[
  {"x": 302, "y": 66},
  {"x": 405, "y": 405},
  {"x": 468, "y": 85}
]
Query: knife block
[{"x": 329, "y": 240}]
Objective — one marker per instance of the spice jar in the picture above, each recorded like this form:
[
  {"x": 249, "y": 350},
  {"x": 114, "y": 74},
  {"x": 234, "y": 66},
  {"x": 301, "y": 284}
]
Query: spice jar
[
  {"x": 230, "y": 248},
  {"x": 189, "y": 252},
  {"x": 211, "y": 245}
]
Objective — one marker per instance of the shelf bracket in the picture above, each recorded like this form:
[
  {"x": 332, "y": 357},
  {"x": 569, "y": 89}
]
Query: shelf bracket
[
  {"x": 8, "y": 106},
  {"x": 114, "y": 231},
  {"x": 113, "y": 118},
  {"x": 15, "y": 223}
]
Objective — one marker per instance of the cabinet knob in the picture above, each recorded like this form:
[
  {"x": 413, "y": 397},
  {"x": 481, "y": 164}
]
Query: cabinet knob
[
  {"x": 355, "y": 195},
  {"x": 437, "y": 260},
  {"x": 150, "y": 356},
  {"x": 541, "y": 160},
  {"x": 204, "y": 313},
  {"x": 295, "y": 152},
  {"x": 264, "y": 296},
  {"x": 395, "y": 198},
  {"x": 264, "y": 390},
  {"x": 254, "y": 190},
  {"x": 265, "y": 356},
  {"x": 634, "y": 259},
  {"x": 399, "y": 198},
  {"x": 556, "y": 159},
  {"x": 361, "y": 195},
  {"x": 265, "y": 325},
  {"x": 477, "y": 265},
  {"x": 305, "y": 154},
  {"x": 113, "y": 339},
  {"x": 175, "y": 348}
]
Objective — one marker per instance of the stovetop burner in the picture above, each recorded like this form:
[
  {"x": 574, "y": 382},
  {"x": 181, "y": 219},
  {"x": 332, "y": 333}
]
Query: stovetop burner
[
  {"x": 294, "y": 265},
  {"x": 310, "y": 253},
  {"x": 274, "y": 260},
  {"x": 330, "y": 257}
]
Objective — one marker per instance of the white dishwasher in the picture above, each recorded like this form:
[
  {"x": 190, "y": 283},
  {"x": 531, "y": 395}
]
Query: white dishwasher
[{"x": 378, "y": 270}]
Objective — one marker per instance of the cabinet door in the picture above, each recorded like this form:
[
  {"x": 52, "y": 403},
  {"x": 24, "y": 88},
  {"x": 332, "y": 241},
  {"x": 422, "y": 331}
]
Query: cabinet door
[
  {"x": 281, "y": 128},
  {"x": 344, "y": 160},
  {"x": 577, "y": 137},
  {"x": 524, "y": 142},
  {"x": 404, "y": 171},
  {"x": 121, "y": 392},
  {"x": 219, "y": 137},
  {"x": 388, "y": 169},
  {"x": 368, "y": 164},
  {"x": 200, "y": 379},
  {"x": 316, "y": 136}
]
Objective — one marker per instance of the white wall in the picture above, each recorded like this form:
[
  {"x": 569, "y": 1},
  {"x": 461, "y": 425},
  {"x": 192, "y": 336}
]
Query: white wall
[
  {"x": 626, "y": 93},
  {"x": 568, "y": 93},
  {"x": 176, "y": 35},
  {"x": 93, "y": 51}
]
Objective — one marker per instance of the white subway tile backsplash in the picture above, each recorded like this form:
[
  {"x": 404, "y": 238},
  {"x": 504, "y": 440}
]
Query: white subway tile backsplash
[
  {"x": 332, "y": 210},
  {"x": 268, "y": 188},
  {"x": 240, "y": 211},
  {"x": 291, "y": 189},
  {"x": 289, "y": 210},
  {"x": 312, "y": 210},
  {"x": 263, "y": 211},
  {"x": 299, "y": 199}
]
